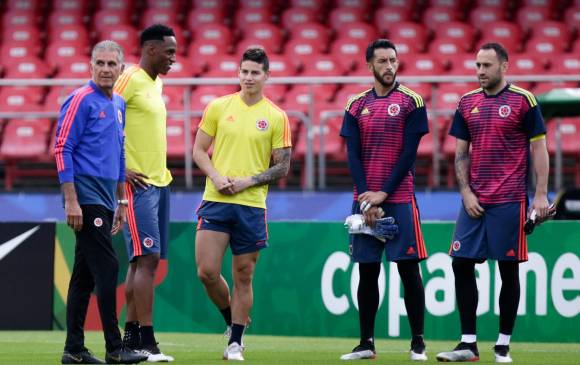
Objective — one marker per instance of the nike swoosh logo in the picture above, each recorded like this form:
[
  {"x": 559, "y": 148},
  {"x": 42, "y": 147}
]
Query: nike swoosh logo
[
  {"x": 78, "y": 359},
  {"x": 9, "y": 246}
]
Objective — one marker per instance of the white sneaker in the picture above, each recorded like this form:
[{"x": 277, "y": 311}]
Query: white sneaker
[
  {"x": 234, "y": 352},
  {"x": 228, "y": 332},
  {"x": 502, "y": 354},
  {"x": 360, "y": 353},
  {"x": 418, "y": 356},
  {"x": 462, "y": 352},
  {"x": 154, "y": 355}
]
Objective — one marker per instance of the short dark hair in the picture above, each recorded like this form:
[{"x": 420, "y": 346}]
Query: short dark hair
[
  {"x": 258, "y": 55},
  {"x": 156, "y": 32},
  {"x": 500, "y": 51},
  {"x": 379, "y": 43}
]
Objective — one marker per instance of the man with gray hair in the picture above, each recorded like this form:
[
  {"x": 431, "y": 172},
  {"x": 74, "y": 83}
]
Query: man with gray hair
[{"x": 90, "y": 159}]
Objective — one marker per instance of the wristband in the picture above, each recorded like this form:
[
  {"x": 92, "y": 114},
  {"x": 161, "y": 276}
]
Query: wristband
[{"x": 124, "y": 202}]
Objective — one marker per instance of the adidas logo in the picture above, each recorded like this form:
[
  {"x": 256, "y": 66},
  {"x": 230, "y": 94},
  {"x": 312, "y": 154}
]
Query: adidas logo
[
  {"x": 410, "y": 250},
  {"x": 102, "y": 115},
  {"x": 511, "y": 253},
  {"x": 365, "y": 111},
  {"x": 474, "y": 110},
  {"x": 230, "y": 118}
]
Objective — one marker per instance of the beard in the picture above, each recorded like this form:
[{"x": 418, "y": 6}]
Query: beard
[
  {"x": 382, "y": 81},
  {"x": 492, "y": 83}
]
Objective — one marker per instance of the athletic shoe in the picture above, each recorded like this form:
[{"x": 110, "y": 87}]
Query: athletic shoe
[
  {"x": 417, "y": 352},
  {"x": 154, "y": 354},
  {"x": 83, "y": 357},
  {"x": 124, "y": 355},
  {"x": 365, "y": 350},
  {"x": 132, "y": 340},
  {"x": 462, "y": 352},
  {"x": 234, "y": 352},
  {"x": 502, "y": 354},
  {"x": 228, "y": 332}
]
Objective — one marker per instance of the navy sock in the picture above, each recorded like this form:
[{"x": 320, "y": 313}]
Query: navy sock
[
  {"x": 237, "y": 332},
  {"x": 368, "y": 298},
  {"x": 147, "y": 336},
  {"x": 227, "y": 314}
]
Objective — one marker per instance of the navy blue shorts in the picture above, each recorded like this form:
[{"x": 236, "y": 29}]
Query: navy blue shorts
[
  {"x": 147, "y": 229},
  {"x": 498, "y": 234},
  {"x": 407, "y": 245},
  {"x": 247, "y": 226}
]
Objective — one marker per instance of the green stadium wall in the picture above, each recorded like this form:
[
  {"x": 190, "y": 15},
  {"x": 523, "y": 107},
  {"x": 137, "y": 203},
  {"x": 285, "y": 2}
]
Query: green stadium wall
[{"x": 305, "y": 286}]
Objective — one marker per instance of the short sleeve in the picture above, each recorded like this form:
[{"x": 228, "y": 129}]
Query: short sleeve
[
  {"x": 209, "y": 120},
  {"x": 417, "y": 122},
  {"x": 459, "y": 127},
  {"x": 125, "y": 85},
  {"x": 281, "y": 137},
  {"x": 349, "y": 126},
  {"x": 534, "y": 123}
]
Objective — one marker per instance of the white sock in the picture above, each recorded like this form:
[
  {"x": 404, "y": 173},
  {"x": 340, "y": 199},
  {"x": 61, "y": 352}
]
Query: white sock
[
  {"x": 469, "y": 338},
  {"x": 503, "y": 340}
]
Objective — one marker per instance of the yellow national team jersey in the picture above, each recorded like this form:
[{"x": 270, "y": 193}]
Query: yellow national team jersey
[
  {"x": 146, "y": 123},
  {"x": 244, "y": 137}
]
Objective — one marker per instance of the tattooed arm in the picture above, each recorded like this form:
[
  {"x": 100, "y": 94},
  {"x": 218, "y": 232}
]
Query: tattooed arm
[
  {"x": 462, "y": 165},
  {"x": 279, "y": 169}
]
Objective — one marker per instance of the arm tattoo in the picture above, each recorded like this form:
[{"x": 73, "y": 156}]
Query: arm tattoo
[
  {"x": 462, "y": 163},
  {"x": 279, "y": 169}
]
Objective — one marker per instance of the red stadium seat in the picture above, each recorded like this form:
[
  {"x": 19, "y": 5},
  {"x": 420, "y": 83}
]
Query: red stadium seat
[
  {"x": 265, "y": 31},
  {"x": 181, "y": 68},
  {"x": 544, "y": 87},
  {"x": 358, "y": 31},
  {"x": 448, "y": 95},
  {"x": 482, "y": 17},
  {"x": 292, "y": 17},
  {"x": 107, "y": 20},
  {"x": 528, "y": 16},
  {"x": 406, "y": 4},
  {"x": 348, "y": 91},
  {"x": 446, "y": 49},
  {"x": 78, "y": 6},
  {"x": 248, "y": 16},
  {"x": 350, "y": 53},
  {"x": 525, "y": 64},
  {"x": 20, "y": 18},
  {"x": 339, "y": 17},
  {"x": 125, "y": 35},
  {"x": 570, "y": 135},
  {"x": 201, "y": 96},
  {"x": 334, "y": 147},
  {"x": 27, "y": 68},
  {"x": 572, "y": 18},
  {"x": 386, "y": 17},
  {"x": 567, "y": 64},
  {"x": 56, "y": 97},
  {"x": 213, "y": 32},
  {"x": 453, "y": 4},
  {"x": 32, "y": 6},
  {"x": 323, "y": 65},
  {"x": 24, "y": 140},
  {"x": 301, "y": 50},
  {"x": 275, "y": 92},
  {"x": 545, "y": 3},
  {"x": 269, "y": 45},
  {"x": 223, "y": 66},
  {"x": 158, "y": 16},
  {"x": 123, "y": 7},
  {"x": 406, "y": 46},
  {"x": 508, "y": 34},
  {"x": 13, "y": 99},
  {"x": 76, "y": 67},
  {"x": 422, "y": 88},
  {"x": 173, "y": 96},
  {"x": 463, "y": 64},
  {"x": 220, "y": 5},
  {"x": 257, "y": 4},
  {"x": 315, "y": 5},
  {"x": 413, "y": 32},
  {"x": 23, "y": 36},
  {"x": 355, "y": 4},
  {"x": 437, "y": 16},
  {"x": 64, "y": 18},
  {"x": 175, "y": 139},
  {"x": 204, "y": 16},
  {"x": 311, "y": 32},
  {"x": 299, "y": 97},
  {"x": 203, "y": 52},
  {"x": 545, "y": 46},
  {"x": 503, "y": 4},
  {"x": 64, "y": 52},
  {"x": 551, "y": 29},
  {"x": 281, "y": 66},
  {"x": 422, "y": 65},
  {"x": 459, "y": 31},
  {"x": 70, "y": 33}
]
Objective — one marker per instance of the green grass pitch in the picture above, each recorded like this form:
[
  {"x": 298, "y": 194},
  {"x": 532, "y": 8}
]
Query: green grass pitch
[{"x": 40, "y": 348}]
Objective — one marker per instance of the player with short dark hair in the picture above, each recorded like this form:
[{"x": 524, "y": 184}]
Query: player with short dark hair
[
  {"x": 383, "y": 127},
  {"x": 148, "y": 179},
  {"x": 91, "y": 176},
  {"x": 501, "y": 122},
  {"x": 251, "y": 148}
]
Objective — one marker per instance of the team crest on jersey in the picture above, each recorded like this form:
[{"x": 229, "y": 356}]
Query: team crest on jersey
[
  {"x": 394, "y": 110},
  {"x": 120, "y": 116},
  {"x": 456, "y": 246},
  {"x": 98, "y": 222},
  {"x": 504, "y": 111},
  {"x": 262, "y": 124},
  {"x": 148, "y": 242}
]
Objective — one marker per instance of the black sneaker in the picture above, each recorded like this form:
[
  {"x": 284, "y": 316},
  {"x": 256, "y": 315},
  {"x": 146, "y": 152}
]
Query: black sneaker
[
  {"x": 83, "y": 357},
  {"x": 124, "y": 355},
  {"x": 417, "y": 352},
  {"x": 462, "y": 352},
  {"x": 132, "y": 340},
  {"x": 502, "y": 354},
  {"x": 365, "y": 350}
]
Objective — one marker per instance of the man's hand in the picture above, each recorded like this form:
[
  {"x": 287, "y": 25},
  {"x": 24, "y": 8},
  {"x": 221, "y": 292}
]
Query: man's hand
[
  {"x": 241, "y": 183},
  {"x": 74, "y": 215},
  {"x": 471, "y": 204},
  {"x": 119, "y": 219},
  {"x": 371, "y": 215},
  {"x": 373, "y": 197},
  {"x": 540, "y": 205},
  {"x": 222, "y": 184},
  {"x": 136, "y": 179}
]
